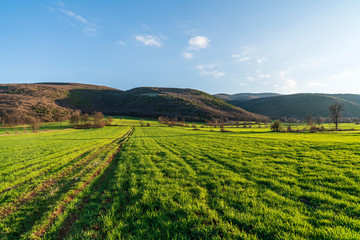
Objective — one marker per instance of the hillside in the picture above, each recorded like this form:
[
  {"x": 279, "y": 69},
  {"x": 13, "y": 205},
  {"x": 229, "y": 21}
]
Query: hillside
[
  {"x": 299, "y": 105},
  {"x": 45, "y": 99},
  {"x": 244, "y": 96}
]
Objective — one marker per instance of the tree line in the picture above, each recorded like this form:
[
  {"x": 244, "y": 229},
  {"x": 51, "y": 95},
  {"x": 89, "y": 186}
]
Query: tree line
[
  {"x": 76, "y": 118},
  {"x": 335, "y": 116}
]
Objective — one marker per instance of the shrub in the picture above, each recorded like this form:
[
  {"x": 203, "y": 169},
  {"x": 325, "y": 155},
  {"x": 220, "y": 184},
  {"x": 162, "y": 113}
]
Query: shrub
[
  {"x": 313, "y": 129},
  {"x": 276, "y": 126}
]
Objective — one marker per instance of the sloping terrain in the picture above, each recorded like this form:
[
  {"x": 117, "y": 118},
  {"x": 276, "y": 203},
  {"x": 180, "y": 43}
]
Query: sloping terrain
[
  {"x": 42, "y": 98},
  {"x": 299, "y": 105},
  {"x": 244, "y": 96},
  {"x": 45, "y": 99},
  {"x": 182, "y": 103}
]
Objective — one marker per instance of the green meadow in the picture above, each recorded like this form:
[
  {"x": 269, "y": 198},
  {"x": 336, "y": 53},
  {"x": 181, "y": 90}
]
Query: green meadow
[{"x": 160, "y": 182}]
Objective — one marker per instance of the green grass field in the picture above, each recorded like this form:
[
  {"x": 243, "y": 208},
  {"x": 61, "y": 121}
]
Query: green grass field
[{"x": 177, "y": 183}]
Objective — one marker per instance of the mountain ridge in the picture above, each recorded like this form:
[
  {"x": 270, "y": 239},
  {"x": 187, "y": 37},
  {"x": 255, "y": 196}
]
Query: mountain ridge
[{"x": 301, "y": 104}]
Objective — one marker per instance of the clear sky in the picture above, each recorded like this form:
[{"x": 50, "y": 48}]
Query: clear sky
[{"x": 215, "y": 46}]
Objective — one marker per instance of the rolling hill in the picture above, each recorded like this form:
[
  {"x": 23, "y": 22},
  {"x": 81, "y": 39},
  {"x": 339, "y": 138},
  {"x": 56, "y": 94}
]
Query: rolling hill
[
  {"x": 299, "y": 105},
  {"x": 45, "y": 99},
  {"x": 244, "y": 96}
]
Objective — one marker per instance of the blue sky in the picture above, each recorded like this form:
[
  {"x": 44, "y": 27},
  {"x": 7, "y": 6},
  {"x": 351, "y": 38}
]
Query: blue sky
[{"x": 214, "y": 46}]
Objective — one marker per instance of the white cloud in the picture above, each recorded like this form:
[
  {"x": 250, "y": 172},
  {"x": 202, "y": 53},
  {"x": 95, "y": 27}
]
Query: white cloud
[
  {"x": 149, "y": 40},
  {"x": 208, "y": 69},
  {"x": 214, "y": 73},
  {"x": 188, "y": 55},
  {"x": 239, "y": 58},
  {"x": 120, "y": 43},
  {"x": 89, "y": 27},
  {"x": 205, "y": 66},
  {"x": 74, "y": 15},
  {"x": 198, "y": 42},
  {"x": 247, "y": 55}
]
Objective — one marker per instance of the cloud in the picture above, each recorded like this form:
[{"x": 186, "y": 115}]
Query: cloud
[
  {"x": 74, "y": 15},
  {"x": 247, "y": 55},
  {"x": 207, "y": 69},
  {"x": 120, "y": 43},
  {"x": 205, "y": 66},
  {"x": 195, "y": 44},
  {"x": 239, "y": 58},
  {"x": 198, "y": 42},
  {"x": 149, "y": 40},
  {"x": 89, "y": 27},
  {"x": 214, "y": 73},
  {"x": 188, "y": 55}
]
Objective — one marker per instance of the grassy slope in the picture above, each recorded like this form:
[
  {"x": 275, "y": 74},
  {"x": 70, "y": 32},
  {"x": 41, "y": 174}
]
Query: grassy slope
[
  {"x": 298, "y": 105},
  {"x": 250, "y": 184},
  {"x": 244, "y": 96},
  {"x": 191, "y": 104}
]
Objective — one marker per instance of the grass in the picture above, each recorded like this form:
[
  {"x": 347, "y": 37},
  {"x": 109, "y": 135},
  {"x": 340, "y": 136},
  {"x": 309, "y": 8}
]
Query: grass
[{"x": 177, "y": 183}]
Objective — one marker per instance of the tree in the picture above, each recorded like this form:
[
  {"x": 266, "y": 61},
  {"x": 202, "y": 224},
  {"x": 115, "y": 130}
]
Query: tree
[
  {"x": 276, "y": 126},
  {"x": 34, "y": 123},
  {"x": 98, "y": 118},
  {"x": 319, "y": 120},
  {"x": 110, "y": 120},
  {"x": 75, "y": 118},
  {"x": 58, "y": 117},
  {"x": 308, "y": 119},
  {"x": 84, "y": 118},
  {"x": 336, "y": 110}
]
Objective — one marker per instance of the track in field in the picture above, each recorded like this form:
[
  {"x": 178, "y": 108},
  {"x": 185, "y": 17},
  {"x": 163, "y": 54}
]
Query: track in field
[{"x": 30, "y": 215}]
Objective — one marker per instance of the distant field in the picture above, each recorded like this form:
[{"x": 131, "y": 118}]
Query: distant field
[{"x": 178, "y": 183}]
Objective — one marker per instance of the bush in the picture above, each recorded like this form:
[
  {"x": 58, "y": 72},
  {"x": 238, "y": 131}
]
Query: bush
[
  {"x": 313, "y": 129},
  {"x": 276, "y": 126}
]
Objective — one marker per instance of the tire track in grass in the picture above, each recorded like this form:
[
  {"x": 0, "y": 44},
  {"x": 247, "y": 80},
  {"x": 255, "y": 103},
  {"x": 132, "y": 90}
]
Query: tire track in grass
[
  {"x": 30, "y": 180},
  {"x": 62, "y": 205},
  {"x": 53, "y": 167},
  {"x": 10, "y": 208}
]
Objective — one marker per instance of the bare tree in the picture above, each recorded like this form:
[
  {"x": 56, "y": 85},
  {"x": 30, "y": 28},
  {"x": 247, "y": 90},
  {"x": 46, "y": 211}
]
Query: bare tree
[
  {"x": 319, "y": 120},
  {"x": 75, "y": 118},
  {"x": 59, "y": 117},
  {"x": 98, "y": 118},
  {"x": 308, "y": 119},
  {"x": 34, "y": 123},
  {"x": 84, "y": 118},
  {"x": 336, "y": 110}
]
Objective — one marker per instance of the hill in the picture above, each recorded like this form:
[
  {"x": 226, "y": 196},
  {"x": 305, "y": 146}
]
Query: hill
[
  {"x": 299, "y": 105},
  {"x": 244, "y": 96},
  {"x": 46, "y": 99}
]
